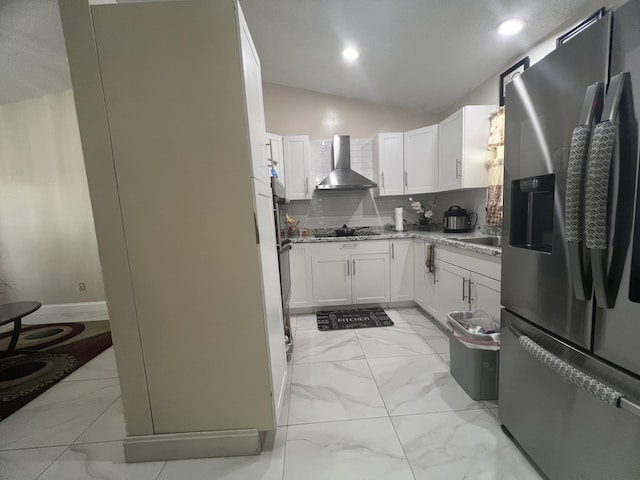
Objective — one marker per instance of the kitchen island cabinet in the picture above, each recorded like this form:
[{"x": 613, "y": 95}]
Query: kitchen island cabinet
[{"x": 169, "y": 103}]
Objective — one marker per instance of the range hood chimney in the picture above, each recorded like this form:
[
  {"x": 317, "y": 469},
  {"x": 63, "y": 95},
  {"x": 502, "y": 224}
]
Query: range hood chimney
[{"x": 342, "y": 177}]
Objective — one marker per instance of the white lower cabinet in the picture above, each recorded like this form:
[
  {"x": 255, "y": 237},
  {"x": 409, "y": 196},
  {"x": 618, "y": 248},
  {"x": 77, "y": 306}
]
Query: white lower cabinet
[
  {"x": 369, "y": 278},
  {"x": 300, "y": 272},
  {"x": 485, "y": 294},
  {"x": 419, "y": 273},
  {"x": 463, "y": 281},
  {"x": 346, "y": 273},
  {"x": 451, "y": 290},
  {"x": 401, "y": 270}
]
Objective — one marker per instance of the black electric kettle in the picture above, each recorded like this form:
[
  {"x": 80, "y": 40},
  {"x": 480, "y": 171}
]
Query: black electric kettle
[{"x": 456, "y": 219}]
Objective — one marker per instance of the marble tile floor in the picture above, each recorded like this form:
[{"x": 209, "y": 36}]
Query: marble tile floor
[{"x": 371, "y": 404}]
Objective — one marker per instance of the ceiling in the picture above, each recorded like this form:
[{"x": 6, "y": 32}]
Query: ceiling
[{"x": 419, "y": 54}]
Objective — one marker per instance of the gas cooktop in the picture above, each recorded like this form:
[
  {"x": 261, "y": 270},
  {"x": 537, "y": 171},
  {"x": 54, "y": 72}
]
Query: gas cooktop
[{"x": 334, "y": 234}]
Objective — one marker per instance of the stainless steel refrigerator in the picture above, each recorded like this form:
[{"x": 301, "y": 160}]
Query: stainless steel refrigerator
[{"x": 570, "y": 355}]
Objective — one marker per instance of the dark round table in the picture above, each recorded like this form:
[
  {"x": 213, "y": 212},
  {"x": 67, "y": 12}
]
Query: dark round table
[{"x": 14, "y": 312}]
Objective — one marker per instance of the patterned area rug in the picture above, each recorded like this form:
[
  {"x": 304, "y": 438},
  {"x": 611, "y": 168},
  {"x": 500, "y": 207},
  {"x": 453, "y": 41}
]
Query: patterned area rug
[
  {"x": 58, "y": 349},
  {"x": 361, "y": 318}
]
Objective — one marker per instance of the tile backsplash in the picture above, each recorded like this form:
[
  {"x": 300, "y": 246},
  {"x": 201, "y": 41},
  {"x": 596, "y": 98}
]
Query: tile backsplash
[{"x": 358, "y": 208}]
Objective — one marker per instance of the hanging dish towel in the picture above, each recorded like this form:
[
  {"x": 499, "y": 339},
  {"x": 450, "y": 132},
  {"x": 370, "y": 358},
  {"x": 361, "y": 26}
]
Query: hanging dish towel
[
  {"x": 495, "y": 166},
  {"x": 428, "y": 257}
]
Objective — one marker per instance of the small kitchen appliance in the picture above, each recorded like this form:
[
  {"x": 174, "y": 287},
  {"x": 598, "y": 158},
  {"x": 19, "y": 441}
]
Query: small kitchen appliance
[{"x": 457, "y": 219}]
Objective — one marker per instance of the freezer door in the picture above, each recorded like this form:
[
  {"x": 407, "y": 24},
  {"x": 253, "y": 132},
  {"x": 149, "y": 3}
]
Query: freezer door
[
  {"x": 542, "y": 108},
  {"x": 617, "y": 328},
  {"x": 569, "y": 433}
]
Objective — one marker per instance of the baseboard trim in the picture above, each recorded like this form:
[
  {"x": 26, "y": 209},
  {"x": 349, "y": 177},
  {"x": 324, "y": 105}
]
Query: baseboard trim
[
  {"x": 182, "y": 446},
  {"x": 307, "y": 310},
  {"x": 62, "y": 308}
]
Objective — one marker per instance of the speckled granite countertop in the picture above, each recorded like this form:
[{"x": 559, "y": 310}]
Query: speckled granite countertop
[{"x": 436, "y": 237}]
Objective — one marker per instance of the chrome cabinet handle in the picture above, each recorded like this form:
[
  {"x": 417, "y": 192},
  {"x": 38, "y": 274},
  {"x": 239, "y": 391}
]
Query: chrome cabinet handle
[
  {"x": 382, "y": 178},
  {"x": 393, "y": 251},
  {"x": 348, "y": 273},
  {"x": 306, "y": 185},
  {"x": 470, "y": 299},
  {"x": 406, "y": 179},
  {"x": 458, "y": 171},
  {"x": 354, "y": 267},
  {"x": 464, "y": 284}
]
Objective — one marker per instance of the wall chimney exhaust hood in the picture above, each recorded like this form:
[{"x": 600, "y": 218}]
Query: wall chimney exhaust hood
[{"x": 342, "y": 177}]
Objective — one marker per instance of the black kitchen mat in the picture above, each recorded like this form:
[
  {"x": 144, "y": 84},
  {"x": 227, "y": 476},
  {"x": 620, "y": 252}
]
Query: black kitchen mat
[{"x": 361, "y": 318}]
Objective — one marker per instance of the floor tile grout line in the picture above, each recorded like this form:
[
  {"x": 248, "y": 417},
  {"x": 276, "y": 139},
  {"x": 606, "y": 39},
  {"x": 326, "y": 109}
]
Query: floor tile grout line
[
  {"x": 64, "y": 450},
  {"x": 339, "y": 420},
  {"x": 164, "y": 465},
  {"x": 387, "y": 410},
  {"x": 95, "y": 419},
  {"x": 439, "y": 412},
  {"x": 374, "y": 379}
]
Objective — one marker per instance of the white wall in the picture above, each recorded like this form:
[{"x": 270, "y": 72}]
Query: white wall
[
  {"x": 294, "y": 111},
  {"x": 47, "y": 237},
  {"x": 487, "y": 93}
]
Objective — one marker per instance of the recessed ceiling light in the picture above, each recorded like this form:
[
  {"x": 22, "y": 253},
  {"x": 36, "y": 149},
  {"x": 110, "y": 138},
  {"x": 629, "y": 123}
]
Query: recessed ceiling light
[
  {"x": 350, "y": 53},
  {"x": 510, "y": 27}
]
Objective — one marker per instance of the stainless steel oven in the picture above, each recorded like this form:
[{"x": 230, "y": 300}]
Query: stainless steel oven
[{"x": 284, "y": 246}]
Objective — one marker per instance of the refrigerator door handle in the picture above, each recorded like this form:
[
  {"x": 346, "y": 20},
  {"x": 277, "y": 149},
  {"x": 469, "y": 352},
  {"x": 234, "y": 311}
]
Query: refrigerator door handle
[
  {"x": 601, "y": 153},
  {"x": 574, "y": 203},
  {"x": 584, "y": 381}
]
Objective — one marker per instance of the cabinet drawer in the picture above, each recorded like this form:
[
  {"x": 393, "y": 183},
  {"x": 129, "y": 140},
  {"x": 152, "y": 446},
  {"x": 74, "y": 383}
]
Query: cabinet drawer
[
  {"x": 349, "y": 248},
  {"x": 476, "y": 262}
]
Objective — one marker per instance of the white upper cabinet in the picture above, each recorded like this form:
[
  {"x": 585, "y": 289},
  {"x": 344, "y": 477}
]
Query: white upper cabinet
[
  {"x": 463, "y": 148},
  {"x": 421, "y": 160},
  {"x": 296, "y": 167},
  {"x": 406, "y": 163},
  {"x": 274, "y": 153},
  {"x": 388, "y": 163}
]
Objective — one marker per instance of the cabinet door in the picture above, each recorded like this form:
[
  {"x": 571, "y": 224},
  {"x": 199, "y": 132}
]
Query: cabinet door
[
  {"x": 401, "y": 266},
  {"x": 370, "y": 278},
  {"x": 419, "y": 273},
  {"x": 452, "y": 289},
  {"x": 450, "y": 152},
  {"x": 274, "y": 321},
  {"x": 296, "y": 166},
  {"x": 389, "y": 152},
  {"x": 485, "y": 295},
  {"x": 300, "y": 269},
  {"x": 274, "y": 153},
  {"x": 331, "y": 280},
  {"x": 255, "y": 106},
  {"x": 476, "y": 130},
  {"x": 421, "y": 160}
]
